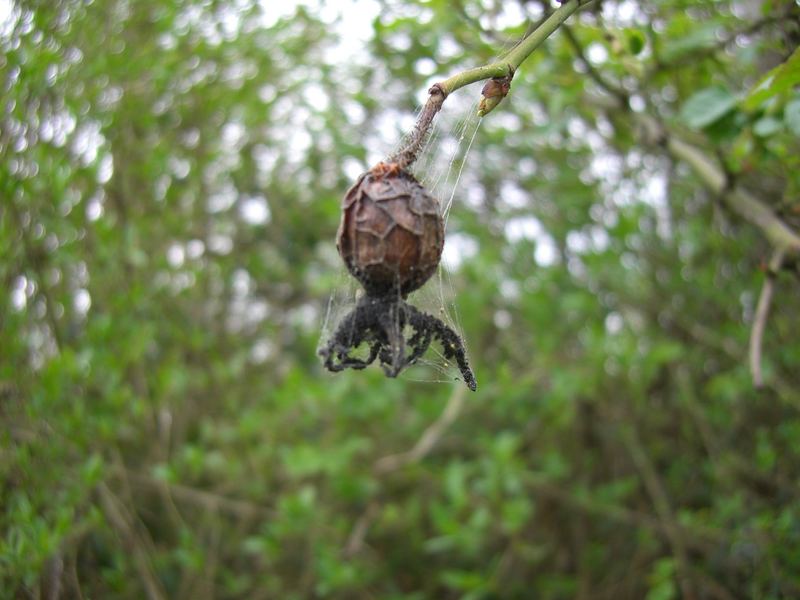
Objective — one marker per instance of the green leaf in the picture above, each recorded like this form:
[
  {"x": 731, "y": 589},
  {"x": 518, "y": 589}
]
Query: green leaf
[
  {"x": 635, "y": 41},
  {"x": 779, "y": 80},
  {"x": 707, "y": 106},
  {"x": 662, "y": 580},
  {"x": 682, "y": 42},
  {"x": 767, "y": 126}
]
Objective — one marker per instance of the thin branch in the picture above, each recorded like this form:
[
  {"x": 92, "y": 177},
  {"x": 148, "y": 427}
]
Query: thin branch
[
  {"x": 780, "y": 235},
  {"x": 517, "y": 55},
  {"x": 117, "y": 516},
  {"x": 387, "y": 464},
  {"x": 359, "y": 533},
  {"x": 429, "y": 438},
  {"x": 616, "y": 91},
  {"x": 504, "y": 67},
  {"x": 699, "y": 538},
  {"x": 75, "y": 579},
  {"x": 51, "y": 579},
  {"x": 739, "y": 200},
  {"x": 742, "y": 202},
  {"x": 207, "y": 500},
  {"x": 406, "y": 156},
  {"x": 760, "y": 319},
  {"x": 707, "y": 336},
  {"x": 660, "y": 499},
  {"x": 757, "y": 332}
]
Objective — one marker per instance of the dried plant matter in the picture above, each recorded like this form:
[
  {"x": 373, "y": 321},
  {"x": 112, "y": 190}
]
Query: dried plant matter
[
  {"x": 391, "y": 235},
  {"x": 391, "y": 238}
]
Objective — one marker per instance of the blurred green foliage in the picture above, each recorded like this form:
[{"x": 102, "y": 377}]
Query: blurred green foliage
[{"x": 170, "y": 173}]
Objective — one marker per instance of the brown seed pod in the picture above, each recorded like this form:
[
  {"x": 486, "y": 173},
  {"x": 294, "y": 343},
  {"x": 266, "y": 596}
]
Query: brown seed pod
[{"x": 391, "y": 234}]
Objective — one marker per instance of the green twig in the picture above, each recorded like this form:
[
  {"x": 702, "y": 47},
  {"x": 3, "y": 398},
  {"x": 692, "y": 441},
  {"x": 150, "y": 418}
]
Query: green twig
[
  {"x": 509, "y": 62},
  {"x": 504, "y": 67}
]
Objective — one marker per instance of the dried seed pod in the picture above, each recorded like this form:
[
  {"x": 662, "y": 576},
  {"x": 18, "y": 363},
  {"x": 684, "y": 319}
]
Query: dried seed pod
[{"x": 391, "y": 234}]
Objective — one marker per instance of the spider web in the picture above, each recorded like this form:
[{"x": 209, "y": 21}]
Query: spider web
[{"x": 440, "y": 168}]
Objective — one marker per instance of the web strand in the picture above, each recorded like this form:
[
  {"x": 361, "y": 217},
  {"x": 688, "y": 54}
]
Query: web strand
[
  {"x": 458, "y": 132},
  {"x": 449, "y": 205}
]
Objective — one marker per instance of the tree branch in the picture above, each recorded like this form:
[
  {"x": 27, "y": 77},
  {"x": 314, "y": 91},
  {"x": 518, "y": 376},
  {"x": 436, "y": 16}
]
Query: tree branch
[
  {"x": 517, "y": 55},
  {"x": 122, "y": 523},
  {"x": 742, "y": 202},
  {"x": 388, "y": 464},
  {"x": 430, "y": 437},
  {"x": 663, "y": 507},
  {"x": 760, "y": 319},
  {"x": 780, "y": 235},
  {"x": 205, "y": 499},
  {"x": 701, "y": 538},
  {"x": 739, "y": 200},
  {"x": 504, "y": 67},
  {"x": 616, "y": 91}
]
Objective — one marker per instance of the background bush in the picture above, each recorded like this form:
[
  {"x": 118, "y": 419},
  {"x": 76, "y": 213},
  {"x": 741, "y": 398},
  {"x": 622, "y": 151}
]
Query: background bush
[{"x": 170, "y": 178}]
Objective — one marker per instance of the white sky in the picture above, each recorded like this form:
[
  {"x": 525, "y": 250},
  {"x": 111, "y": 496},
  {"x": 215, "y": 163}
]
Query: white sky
[
  {"x": 351, "y": 20},
  {"x": 5, "y": 16}
]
